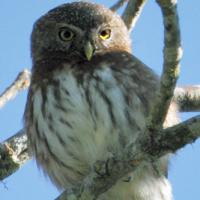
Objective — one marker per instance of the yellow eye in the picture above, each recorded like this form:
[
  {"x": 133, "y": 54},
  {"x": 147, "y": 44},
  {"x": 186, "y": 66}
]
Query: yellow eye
[
  {"x": 105, "y": 34},
  {"x": 66, "y": 35}
]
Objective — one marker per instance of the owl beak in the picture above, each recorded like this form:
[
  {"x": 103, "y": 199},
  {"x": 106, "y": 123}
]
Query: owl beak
[{"x": 88, "y": 49}]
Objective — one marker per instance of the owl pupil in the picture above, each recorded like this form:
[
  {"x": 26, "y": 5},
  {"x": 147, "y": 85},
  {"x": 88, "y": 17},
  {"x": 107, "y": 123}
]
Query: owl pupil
[
  {"x": 103, "y": 33},
  {"x": 67, "y": 34}
]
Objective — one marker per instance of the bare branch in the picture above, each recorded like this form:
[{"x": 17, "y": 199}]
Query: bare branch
[
  {"x": 187, "y": 97},
  {"x": 171, "y": 139},
  {"x": 13, "y": 154},
  {"x": 21, "y": 83},
  {"x": 172, "y": 56},
  {"x": 117, "y": 5},
  {"x": 137, "y": 154},
  {"x": 132, "y": 12}
]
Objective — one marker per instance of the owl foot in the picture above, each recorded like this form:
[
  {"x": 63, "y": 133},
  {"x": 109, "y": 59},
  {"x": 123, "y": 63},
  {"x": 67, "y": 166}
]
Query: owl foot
[{"x": 102, "y": 167}]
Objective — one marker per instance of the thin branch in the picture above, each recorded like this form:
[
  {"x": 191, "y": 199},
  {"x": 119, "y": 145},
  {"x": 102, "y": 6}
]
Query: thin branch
[
  {"x": 117, "y": 5},
  {"x": 21, "y": 83},
  {"x": 172, "y": 56},
  {"x": 132, "y": 12},
  {"x": 13, "y": 154},
  {"x": 187, "y": 97},
  {"x": 171, "y": 139},
  {"x": 168, "y": 141}
]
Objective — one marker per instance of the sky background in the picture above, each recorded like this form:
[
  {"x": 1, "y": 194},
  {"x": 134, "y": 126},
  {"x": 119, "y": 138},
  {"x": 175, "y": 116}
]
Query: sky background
[{"x": 16, "y": 22}]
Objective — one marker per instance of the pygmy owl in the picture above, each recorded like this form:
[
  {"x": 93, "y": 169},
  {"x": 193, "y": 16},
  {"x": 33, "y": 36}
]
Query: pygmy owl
[{"x": 90, "y": 97}]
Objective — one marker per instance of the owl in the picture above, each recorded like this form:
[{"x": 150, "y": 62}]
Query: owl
[{"x": 89, "y": 98}]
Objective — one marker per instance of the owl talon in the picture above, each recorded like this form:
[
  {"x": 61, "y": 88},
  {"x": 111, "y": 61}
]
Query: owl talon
[{"x": 101, "y": 167}]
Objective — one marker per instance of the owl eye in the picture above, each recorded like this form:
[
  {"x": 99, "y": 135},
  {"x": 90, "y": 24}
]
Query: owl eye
[
  {"x": 66, "y": 35},
  {"x": 105, "y": 34}
]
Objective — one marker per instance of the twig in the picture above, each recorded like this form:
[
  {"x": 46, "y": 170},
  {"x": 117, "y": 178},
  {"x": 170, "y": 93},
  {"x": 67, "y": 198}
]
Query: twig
[
  {"x": 171, "y": 139},
  {"x": 187, "y": 97},
  {"x": 4, "y": 183},
  {"x": 168, "y": 141},
  {"x": 22, "y": 82},
  {"x": 172, "y": 56},
  {"x": 13, "y": 154},
  {"x": 117, "y": 5},
  {"x": 132, "y": 12}
]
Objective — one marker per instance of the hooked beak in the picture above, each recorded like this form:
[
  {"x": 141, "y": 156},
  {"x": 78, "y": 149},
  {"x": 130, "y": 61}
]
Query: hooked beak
[{"x": 88, "y": 49}]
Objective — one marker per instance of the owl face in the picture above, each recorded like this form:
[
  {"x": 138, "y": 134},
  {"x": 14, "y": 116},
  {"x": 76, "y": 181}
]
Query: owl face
[{"x": 78, "y": 30}]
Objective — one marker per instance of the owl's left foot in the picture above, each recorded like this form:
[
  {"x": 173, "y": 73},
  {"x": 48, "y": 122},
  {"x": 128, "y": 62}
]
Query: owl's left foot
[{"x": 102, "y": 167}]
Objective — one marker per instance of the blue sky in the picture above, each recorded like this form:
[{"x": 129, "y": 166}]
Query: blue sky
[{"x": 16, "y": 22}]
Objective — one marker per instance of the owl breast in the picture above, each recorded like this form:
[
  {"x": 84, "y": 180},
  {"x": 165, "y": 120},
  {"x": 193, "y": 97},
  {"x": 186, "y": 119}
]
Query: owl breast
[
  {"x": 82, "y": 122},
  {"x": 80, "y": 113}
]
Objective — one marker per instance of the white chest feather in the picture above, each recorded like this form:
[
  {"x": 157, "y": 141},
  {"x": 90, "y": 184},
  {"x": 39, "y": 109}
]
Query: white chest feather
[{"x": 88, "y": 118}]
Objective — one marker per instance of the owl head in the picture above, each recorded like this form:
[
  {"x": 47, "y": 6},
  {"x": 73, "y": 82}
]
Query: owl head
[{"x": 78, "y": 30}]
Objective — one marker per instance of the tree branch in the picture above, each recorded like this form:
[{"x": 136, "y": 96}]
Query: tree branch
[
  {"x": 21, "y": 83},
  {"x": 132, "y": 12},
  {"x": 171, "y": 139},
  {"x": 13, "y": 154},
  {"x": 172, "y": 56},
  {"x": 187, "y": 97},
  {"x": 117, "y": 5}
]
